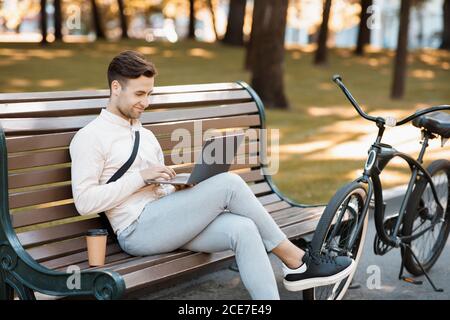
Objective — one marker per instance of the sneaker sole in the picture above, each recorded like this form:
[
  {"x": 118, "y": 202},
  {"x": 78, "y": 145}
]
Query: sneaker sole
[{"x": 318, "y": 282}]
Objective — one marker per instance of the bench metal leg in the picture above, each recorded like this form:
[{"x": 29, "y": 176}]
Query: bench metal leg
[
  {"x": 6, "y": 292},
  {"x": 9, "y": 285}
]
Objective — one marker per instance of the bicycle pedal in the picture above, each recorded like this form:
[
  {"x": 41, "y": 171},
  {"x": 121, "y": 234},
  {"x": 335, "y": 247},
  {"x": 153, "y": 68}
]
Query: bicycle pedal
[{"x": 411, "y": 280}]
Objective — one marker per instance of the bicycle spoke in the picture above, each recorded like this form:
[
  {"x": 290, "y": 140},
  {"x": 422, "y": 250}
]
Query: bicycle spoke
[{"x": 344, "y": 225}]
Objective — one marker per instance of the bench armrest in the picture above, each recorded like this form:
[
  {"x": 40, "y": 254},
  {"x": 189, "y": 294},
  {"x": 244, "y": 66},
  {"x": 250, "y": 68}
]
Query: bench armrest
[{"x": 20, "y": 268}]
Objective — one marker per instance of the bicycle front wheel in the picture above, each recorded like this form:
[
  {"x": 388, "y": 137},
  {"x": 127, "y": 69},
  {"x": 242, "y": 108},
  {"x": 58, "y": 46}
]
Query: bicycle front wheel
[
  {"x": 336, "y": 227},
  {"x": 422, "y": 213}
]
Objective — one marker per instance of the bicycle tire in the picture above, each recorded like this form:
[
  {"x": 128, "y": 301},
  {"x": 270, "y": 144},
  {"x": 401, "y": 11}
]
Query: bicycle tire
[
  {"x": 324, "y": 227},
  {"x": 413, "y": 213}
]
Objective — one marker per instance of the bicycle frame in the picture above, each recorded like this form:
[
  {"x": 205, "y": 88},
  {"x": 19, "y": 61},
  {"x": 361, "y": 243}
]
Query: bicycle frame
[{"x": 379, "y": 156}]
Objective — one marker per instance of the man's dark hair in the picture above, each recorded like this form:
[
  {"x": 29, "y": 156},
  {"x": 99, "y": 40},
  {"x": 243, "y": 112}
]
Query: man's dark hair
[{"x": 129, "y": 65}]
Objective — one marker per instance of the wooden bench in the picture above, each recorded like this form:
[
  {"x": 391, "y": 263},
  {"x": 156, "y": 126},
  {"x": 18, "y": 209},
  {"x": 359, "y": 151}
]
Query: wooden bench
[{"x": 42, "y": 234}]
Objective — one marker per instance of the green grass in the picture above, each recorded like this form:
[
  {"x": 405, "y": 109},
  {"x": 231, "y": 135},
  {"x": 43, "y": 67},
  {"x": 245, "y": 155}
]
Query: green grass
[{"x": 319, "y": 112}]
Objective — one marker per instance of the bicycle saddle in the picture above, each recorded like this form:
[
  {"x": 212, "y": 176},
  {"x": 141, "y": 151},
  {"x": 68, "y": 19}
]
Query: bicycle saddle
[{"x": 436, "y": 122}]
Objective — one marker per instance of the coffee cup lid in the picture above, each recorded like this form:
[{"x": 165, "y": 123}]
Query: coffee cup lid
[{"x": 97, "y": 232}]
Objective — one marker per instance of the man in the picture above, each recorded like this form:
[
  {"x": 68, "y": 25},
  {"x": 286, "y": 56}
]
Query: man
[{"x": 217, "y": 214}]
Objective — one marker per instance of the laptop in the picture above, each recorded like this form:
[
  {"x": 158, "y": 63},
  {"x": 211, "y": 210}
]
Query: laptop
[{"x": 209, "y": 163}]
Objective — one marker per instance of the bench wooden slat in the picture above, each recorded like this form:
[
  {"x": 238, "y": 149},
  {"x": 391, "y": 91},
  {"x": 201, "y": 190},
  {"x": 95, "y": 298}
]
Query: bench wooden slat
[
  {"x": 288, "y": 213},
  {"x": 277, "y": 206},
  {"x": 44, "y": 195},
  {"x": 92, "y": 106},
  {"x": 62, "y": 139},
  {"x": 38, "y": 177},
  {"x": 301, "y": 229},
  {"x": 42, "y": 215},
  {"x": 296, "y": 215},
  {"x": 38, "y": 159},
  {"x": 36, "y": 125},
  {"x": 273, "y": 197},
  {"x": 58, "y": 233},
  {"x": 95, "y": 94},
  {"x": 62, "y": 156},
  {"x": 110, "y": 260},
  {"x": 135, "y": 263},
  {"x": 167, "y": 270},
  {"x": 77, "y": 249}
]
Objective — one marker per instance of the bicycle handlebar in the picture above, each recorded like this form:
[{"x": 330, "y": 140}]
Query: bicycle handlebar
[{"x": 389, "y": 121}]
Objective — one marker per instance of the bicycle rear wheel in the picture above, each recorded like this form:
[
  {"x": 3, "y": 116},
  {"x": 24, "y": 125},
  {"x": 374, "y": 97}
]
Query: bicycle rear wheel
[
  {"x": 336, "y": 226},
  {"x": 421, "y": 210}
]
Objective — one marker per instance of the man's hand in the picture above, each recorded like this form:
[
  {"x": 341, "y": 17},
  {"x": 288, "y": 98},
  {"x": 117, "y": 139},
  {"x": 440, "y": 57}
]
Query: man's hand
[{"x": 155, "y": 172}]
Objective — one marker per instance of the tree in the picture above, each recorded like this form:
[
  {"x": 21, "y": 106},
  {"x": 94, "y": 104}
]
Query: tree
[
  {"x": 320, "y": 57},
  {"x": 446, "y": 31},
  {"x": 213, "y": 17},
  {"x": 123, "y": 19},
  {"x": 236, "y": 15},
  {"x": 267, "y": 51},
  {"x": 58, "y": 20},
  {"x": 364, "y": 31},
  {"x": 401, "y": 56},
  {"x": 43, "y": 22},
  {"x": 191, "y": 33},
  {"x": 97, "y": 20}
]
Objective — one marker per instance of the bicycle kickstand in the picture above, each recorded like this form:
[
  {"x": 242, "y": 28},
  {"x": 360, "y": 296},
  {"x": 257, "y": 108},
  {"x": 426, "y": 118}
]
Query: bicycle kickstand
[{"x": 410, "y": 280}]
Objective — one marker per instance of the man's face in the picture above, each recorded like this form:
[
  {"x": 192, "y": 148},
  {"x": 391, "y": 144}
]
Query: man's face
[{"x": 132, "y": 97}]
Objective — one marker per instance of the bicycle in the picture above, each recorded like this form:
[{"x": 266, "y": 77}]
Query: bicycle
[{"x": 424, "y": 213}]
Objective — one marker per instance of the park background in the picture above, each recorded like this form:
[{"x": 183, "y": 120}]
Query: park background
[{"x": 393, "y": 55}]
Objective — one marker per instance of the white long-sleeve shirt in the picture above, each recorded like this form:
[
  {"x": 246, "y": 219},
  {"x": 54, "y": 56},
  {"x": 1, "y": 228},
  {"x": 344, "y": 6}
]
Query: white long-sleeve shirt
[{"x": 98, "y": 150}]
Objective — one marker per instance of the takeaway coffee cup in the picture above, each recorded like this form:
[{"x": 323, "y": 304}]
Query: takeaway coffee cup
[{"x": 96, "y": 244}]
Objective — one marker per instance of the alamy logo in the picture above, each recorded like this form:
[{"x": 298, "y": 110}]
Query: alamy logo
[
  {"x": 74, "y": 281},
  {"x": 374, "y": 280},
  {"x": 374, "y": 20},
  {"x": 73, "y": 21},
  {"x": 258, "y": 146}
]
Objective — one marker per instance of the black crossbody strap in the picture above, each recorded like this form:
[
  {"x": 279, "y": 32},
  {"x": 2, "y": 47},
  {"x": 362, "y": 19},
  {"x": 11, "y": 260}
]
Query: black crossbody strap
[
  {"x": 116, "y": 176},
  {"x": 129, "y": 162}
]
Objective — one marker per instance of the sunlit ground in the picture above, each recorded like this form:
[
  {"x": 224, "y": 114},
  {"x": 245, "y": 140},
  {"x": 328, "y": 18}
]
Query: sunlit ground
[{"x": 323, "y": 140}]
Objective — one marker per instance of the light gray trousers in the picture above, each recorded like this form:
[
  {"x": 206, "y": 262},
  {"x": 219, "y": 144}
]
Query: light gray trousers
[{"x": 220, "y": 213}]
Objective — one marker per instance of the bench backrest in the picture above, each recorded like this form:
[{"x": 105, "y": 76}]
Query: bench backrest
[{"x": 38, "y": 128}]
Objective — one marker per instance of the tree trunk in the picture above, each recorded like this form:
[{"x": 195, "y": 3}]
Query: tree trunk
[
  {"x": 191, "y": 33},
  {"x": 267, "y": 54},
  {"x": 364, "y": 31},
  {"x": 401, "y": 56},
  {"x": 249, "y": 44},
  {"x": 58, "y": 20},
  {"x": 213, "y": 17},
  {"x": 321, "y": 52},
  {"x": 97, "y": 21},
  {"x": 43, "y": 22},
  {"x": 236, "y": 15},
  {"x": 123, "y": 19},
  {"x": 446, "y": 31}
]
